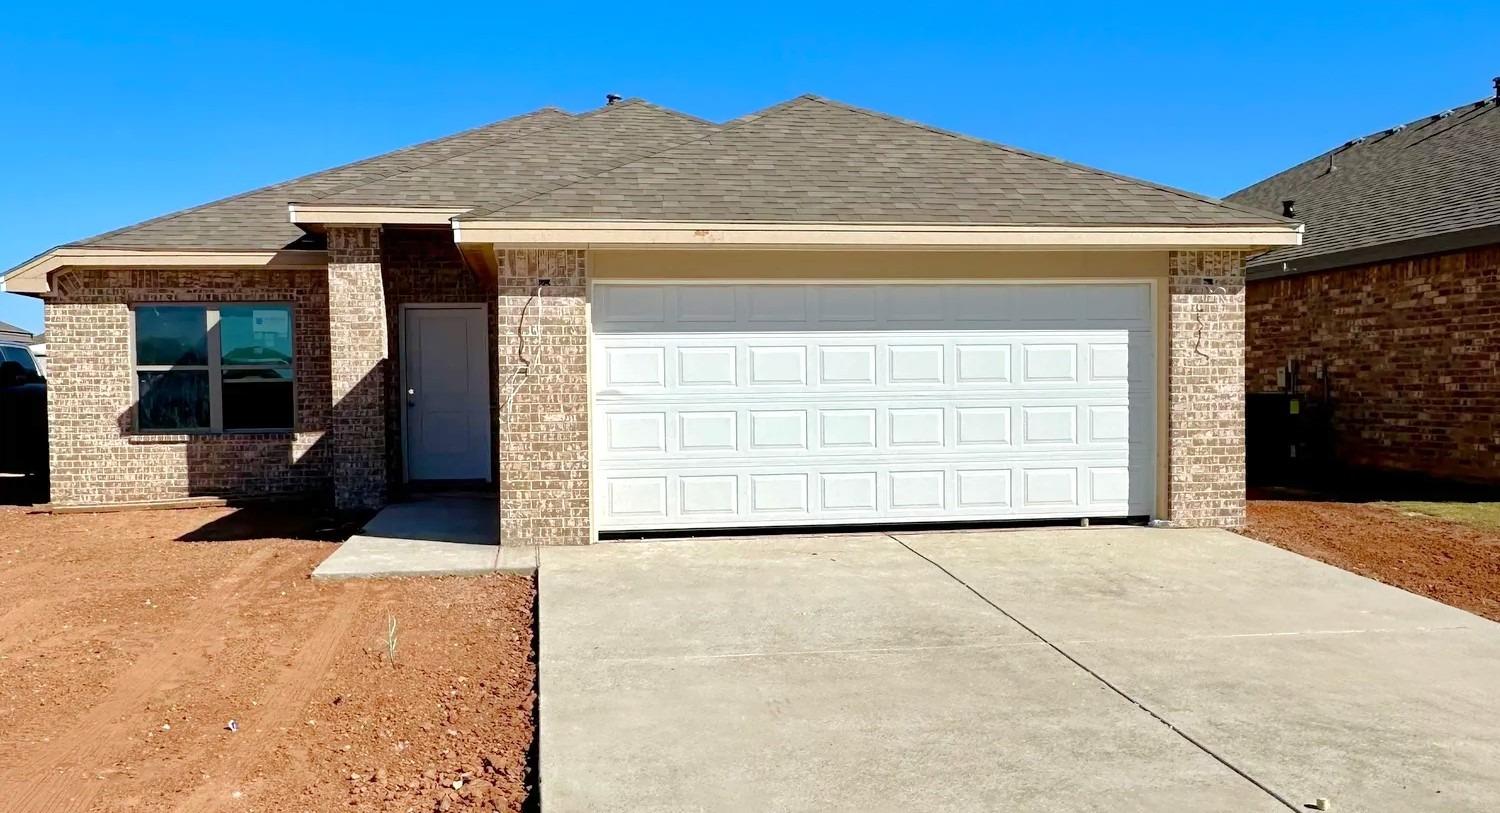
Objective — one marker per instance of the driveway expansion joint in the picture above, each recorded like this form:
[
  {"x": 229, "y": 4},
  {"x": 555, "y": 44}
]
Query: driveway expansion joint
[{"x": 1222, "y": 760}]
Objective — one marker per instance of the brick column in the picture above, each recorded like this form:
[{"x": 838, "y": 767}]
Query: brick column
[
  {"x": 1206, "y": 380},
  {"x": 357, "y": 358},
  {"x": 544, "y": 397}
]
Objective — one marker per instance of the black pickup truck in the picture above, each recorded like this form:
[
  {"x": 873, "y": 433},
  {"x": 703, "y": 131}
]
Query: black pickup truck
[{"x": 23, "y": 412}]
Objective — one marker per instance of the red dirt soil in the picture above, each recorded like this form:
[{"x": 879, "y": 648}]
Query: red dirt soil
[
  {"x": 1455, "y": 564},
  {"x": 124, "y": 653}
]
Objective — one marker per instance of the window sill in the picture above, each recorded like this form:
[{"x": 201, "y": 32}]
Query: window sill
[
  {"x": 161, "y": 437},
  {"x": 168, "y": 438}
]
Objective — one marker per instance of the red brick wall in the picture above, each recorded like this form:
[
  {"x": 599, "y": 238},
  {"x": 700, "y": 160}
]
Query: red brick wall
[{"x": 1411, "y": 351}]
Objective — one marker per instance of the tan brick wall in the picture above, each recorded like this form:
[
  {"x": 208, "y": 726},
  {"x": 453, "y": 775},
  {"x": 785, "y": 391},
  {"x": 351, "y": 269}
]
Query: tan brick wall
[
  {"x": 357, "y": 355},
  {"x": 424, "y": 266},
  {"x": 544, "y": 422},
  {"x": 97, "y": 458},
  {"x": 1411, "y": 353},
  {"x": 1206, "y": 384}
]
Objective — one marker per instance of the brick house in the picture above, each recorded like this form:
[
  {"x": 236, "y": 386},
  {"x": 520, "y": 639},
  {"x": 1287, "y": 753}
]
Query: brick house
[
  {"x": 1390, "y": 308},
  {"x": 11, "y": 333},
  {"x": 636, "y": 319}
]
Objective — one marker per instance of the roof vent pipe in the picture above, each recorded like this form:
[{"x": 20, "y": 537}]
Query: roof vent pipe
[
  {"x": 1289, "y": 208},
  {"x": 1497, "y": 87},
  {"x": 611, "y": 99}
]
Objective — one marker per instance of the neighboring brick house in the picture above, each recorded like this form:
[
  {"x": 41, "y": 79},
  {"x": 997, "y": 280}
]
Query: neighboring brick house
[
  {"x": 11, "y": 333},
  {"x": 635, "y": 319},
  {"x": 1390, "y": 308}
]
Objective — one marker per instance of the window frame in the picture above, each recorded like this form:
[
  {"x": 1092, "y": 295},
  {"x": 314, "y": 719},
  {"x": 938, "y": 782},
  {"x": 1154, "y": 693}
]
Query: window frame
[{"x": 214, "y": 368}]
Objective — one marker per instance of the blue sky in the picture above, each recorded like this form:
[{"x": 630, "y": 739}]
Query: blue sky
[{"x": 116, "y": 113}]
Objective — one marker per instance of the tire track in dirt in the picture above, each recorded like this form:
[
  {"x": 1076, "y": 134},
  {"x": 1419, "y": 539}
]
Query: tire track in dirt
[
  {"x": 285, "y": 698},
  {"x": 15, "y": 623},
  {"x": 44, "y": 783}
]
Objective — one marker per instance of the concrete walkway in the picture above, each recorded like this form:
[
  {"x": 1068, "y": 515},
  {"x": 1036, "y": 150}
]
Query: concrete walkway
[
  {"x": 428, "y": 536},
  {"x": 1104, "y": 669}
]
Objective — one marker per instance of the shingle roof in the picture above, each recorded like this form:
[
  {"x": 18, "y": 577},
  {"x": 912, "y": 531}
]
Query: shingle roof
[
  {"x": 814, "y": 160},
  {"x": 808, "y": 159},
  {"x": 535, "y": 162},
  {"x": 258, "y": 219},
  {"x": 1400, "y": 192},
  {"x": 9, "y": 330}
]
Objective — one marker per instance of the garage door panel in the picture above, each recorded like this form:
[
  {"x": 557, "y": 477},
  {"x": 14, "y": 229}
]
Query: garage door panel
[
  {"x": 871, "y": 363},
  {"x": 745, "y": 405},
  {"x": 836, "y": 494},
  {"x": 848, "y": 303},
  {"x": 713, "y": 367},
  {"x": 816, "y": 426},
  {"x": 847, "y": 365},
  {"x": 625, "y": 308}
]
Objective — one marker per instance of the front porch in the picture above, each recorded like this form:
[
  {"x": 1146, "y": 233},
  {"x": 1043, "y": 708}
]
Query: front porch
[
  {"x": 450, "y": 370},
  {"x": 434, "y": 535}
]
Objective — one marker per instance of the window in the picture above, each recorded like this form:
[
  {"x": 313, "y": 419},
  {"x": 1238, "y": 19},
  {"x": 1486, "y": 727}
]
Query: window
[
  {"x": 225, "y": 368},
  {"x": 22, "y": 357}
]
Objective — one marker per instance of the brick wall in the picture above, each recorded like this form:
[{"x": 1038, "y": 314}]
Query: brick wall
[
  {"x": 1206, "y": 384},
  {"x": 1411, "y": 352},
  {"x": 97, "y": 458},
  {"x": 357, "y": 351},
  {"x": 544, "y": 421},
  {"x": 424, "y": 266}
]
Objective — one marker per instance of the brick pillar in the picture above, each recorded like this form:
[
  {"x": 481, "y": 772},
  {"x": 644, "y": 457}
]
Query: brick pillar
[
  {"x": 357, "y": 358},
  {"x": 1206, "y": 381},
  {"x": 544, "y": 397}
]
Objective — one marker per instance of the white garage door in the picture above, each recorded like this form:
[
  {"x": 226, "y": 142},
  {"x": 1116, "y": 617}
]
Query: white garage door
[{"x": 755, "y": 405}]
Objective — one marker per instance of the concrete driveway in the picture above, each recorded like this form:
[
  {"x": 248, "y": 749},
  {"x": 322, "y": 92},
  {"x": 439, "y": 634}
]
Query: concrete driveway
[{"x": 1104, "y": 669}]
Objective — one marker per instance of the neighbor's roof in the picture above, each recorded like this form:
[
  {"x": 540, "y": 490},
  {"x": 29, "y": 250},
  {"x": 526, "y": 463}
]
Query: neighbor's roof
[
  {"x": 815, "y": 160},
  {"x": 808, "y": 159},
  {"x": 1427, "y": 186},
  {"x": 6, "y": 328}
]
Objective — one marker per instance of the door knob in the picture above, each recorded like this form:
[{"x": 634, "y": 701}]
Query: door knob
[{"x": 411, "y": 397}]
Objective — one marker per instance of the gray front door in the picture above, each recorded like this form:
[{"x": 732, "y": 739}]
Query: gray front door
[{"x": 446, "y": 387}]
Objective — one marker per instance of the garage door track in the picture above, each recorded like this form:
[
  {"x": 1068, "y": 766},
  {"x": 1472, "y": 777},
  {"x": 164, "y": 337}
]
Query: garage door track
[{"x": 1107, "y": 669}]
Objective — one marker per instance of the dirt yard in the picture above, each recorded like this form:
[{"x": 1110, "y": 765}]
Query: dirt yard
[
  {"x": 1455, "y": 563},
  {"x": 125, "y": 652}
]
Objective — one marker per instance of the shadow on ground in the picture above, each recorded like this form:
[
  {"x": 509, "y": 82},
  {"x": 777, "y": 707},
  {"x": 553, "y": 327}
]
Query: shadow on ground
[
  {"x": 280, "y": 520},
  {"x": 23, "y": 490},
  {"x": 1367, "y": 485}
]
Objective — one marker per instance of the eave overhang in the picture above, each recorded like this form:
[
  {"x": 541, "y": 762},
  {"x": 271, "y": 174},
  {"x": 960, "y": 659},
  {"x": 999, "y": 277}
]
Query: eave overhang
[
  {"x": 836, "y": 236},
  {"x": 317, "y": 216},
  {"x": 34, "y": 277}
]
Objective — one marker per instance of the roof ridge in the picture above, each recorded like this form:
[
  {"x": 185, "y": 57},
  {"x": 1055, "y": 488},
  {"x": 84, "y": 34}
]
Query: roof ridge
[
  {"x": 670, "y": 111},
  {"x": 775, "y": 108},
  {"x": 1052, "y": 159},
  {"x": 1474, "y": 107},
  {"x": 728, "y": 126},
  {"x": 314, "y": 174}
]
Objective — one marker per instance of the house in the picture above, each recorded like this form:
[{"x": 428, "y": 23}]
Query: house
[
  {"x": 12, "y": 333},
  {"x": 637, "y": 319},
  {"x": 1390, "y": 309}
]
